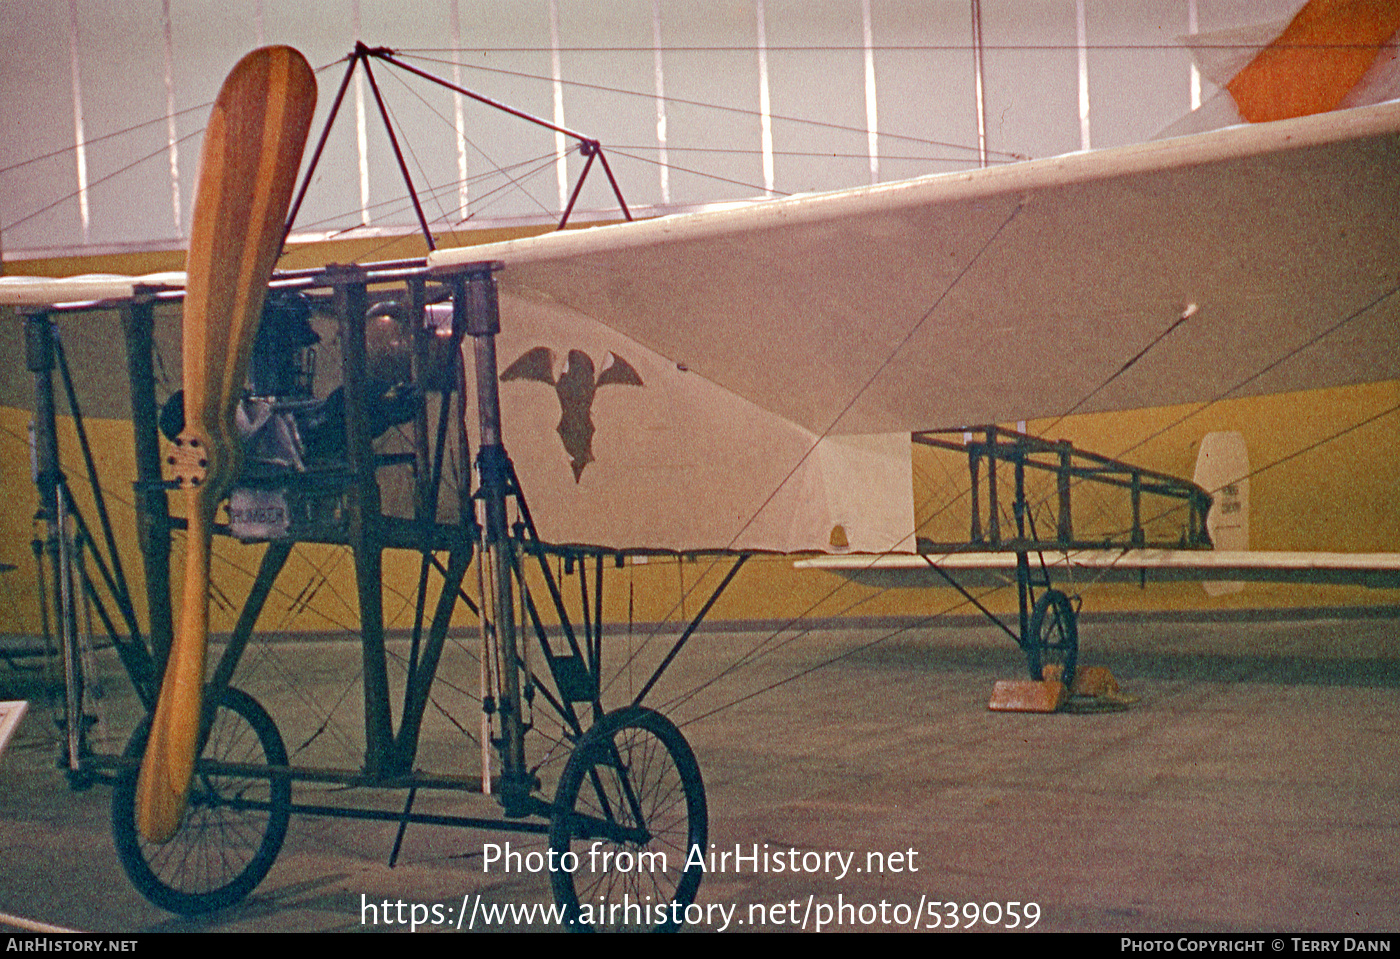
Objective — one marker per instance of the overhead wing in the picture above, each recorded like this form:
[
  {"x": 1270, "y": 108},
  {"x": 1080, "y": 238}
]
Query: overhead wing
[{"x": 1021, "y": 291}]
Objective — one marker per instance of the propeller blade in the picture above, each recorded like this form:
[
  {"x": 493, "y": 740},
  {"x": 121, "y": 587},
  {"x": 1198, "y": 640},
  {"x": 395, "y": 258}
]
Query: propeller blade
[{"x": 248, "y": 167}]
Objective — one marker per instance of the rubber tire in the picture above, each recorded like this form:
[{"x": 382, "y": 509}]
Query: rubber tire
[
  {"x": 1054, "y": 636},
  {"x": 665, "y": 777},
  {"x": 220, "y": 853}
]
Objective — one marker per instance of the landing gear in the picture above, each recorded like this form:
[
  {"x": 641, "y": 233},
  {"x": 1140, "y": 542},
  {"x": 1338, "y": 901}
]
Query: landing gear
[
  {"x": 631, "y": 807},
  {"x": 234, "y": 824},
  {"x": 1053, "y": 638}
]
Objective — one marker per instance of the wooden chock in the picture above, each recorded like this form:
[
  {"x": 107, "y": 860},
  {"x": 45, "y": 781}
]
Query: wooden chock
[
  {"x": 1028, "y": 696},
  {"x": 1096, "y": 681}
]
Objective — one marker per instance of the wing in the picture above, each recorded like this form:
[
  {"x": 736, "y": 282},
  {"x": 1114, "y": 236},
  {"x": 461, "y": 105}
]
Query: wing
[
  {"x": 89, "y": 288},
  {"x": 1135, "y": 566},
  {"x": 1021, "y": 291},
  {"x": 789, "y": 345}
]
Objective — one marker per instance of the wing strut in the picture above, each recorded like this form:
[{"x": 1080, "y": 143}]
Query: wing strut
[{"x": 362, "y": 55}]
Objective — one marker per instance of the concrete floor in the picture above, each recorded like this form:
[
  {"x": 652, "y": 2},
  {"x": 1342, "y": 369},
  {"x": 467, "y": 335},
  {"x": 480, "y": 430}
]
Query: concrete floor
[{"x": 1254, "y": 787}]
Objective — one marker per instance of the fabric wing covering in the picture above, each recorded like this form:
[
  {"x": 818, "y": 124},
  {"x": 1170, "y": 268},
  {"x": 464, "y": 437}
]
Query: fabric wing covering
[
  {"x": 747, "y": 378},
  {"x": 662, "y": 458},
  {"x": 993, "y": 295}
]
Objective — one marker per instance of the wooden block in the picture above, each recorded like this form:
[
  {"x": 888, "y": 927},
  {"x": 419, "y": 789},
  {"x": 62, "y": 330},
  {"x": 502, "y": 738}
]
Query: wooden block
[
  {"x": 1027, "y": 696},
  {"x": 1094, "y": 681}
]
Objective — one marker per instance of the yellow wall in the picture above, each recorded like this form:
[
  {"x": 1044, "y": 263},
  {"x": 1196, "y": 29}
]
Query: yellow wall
[{"x": 1337, "y": 496}]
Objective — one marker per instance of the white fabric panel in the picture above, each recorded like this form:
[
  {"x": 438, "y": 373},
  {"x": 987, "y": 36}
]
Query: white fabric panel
[
  {"x": 869, "y": 492},
  {"x": 680, "y": 463},
  {"x": 874, "y": 310}
]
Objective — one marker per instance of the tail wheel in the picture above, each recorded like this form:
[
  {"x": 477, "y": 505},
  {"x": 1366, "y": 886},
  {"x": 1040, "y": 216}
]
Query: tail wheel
[
  {"x": 234, "y": 824},
  {"x": 1054, "y": 637},
  {"x": 631, "y": 808}
]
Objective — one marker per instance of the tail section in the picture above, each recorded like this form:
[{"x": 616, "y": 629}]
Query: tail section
[
  {"x": 1222, "y": 470},
  {"x": 1333, "y": 54}
]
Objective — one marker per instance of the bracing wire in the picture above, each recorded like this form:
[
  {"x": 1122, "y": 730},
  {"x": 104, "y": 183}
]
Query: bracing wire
[
  {"x": 753, "y": 654},
  {"x": 893, "y": 353}
]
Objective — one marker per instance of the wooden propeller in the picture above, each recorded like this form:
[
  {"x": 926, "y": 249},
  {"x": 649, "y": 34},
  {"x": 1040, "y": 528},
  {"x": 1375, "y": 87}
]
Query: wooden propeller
[{"x": 248, "y": 167}]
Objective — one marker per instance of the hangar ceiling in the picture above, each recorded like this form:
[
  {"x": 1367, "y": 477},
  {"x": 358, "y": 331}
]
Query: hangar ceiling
[{"x": 696, "y": 103}]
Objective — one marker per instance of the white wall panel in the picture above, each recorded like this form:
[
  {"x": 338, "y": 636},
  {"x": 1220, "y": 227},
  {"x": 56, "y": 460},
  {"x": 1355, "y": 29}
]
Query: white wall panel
[
  {"x": 923, "y": 69},
  {"x": 122, "y": 53},
  {"x": 610, "y": 94},
  {"x": 36, "y": 103},
  {"x": 925, "y": 93},
  {"x": 1136, "y": 92},
  {"x": 816, "y": 65},
  {"x": 208, "y": 37},
  {"x": 506, "y": 57},
  {"x": 724, "y": 144},
  {"x": 1032, "y": 76}
]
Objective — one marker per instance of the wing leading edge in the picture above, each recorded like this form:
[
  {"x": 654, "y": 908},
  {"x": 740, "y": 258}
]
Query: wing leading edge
[
  {"x": 88, "y": 288},
  {"x": 1014, "y": 292}
]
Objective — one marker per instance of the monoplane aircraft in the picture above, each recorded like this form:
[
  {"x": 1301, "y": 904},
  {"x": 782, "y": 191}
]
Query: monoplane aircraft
[{"x": 722, "y": 383}]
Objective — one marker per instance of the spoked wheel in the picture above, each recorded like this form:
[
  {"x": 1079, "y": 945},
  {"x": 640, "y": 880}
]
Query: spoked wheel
[
  {"x": 631, "y": 807},
  {"x": 1054, "y": 636},
  {"x": 233, "y": 826}
]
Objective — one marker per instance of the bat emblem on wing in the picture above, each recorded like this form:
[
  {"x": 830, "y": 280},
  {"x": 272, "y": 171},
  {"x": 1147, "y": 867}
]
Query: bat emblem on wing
[{"x": 575, "y": 386}]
